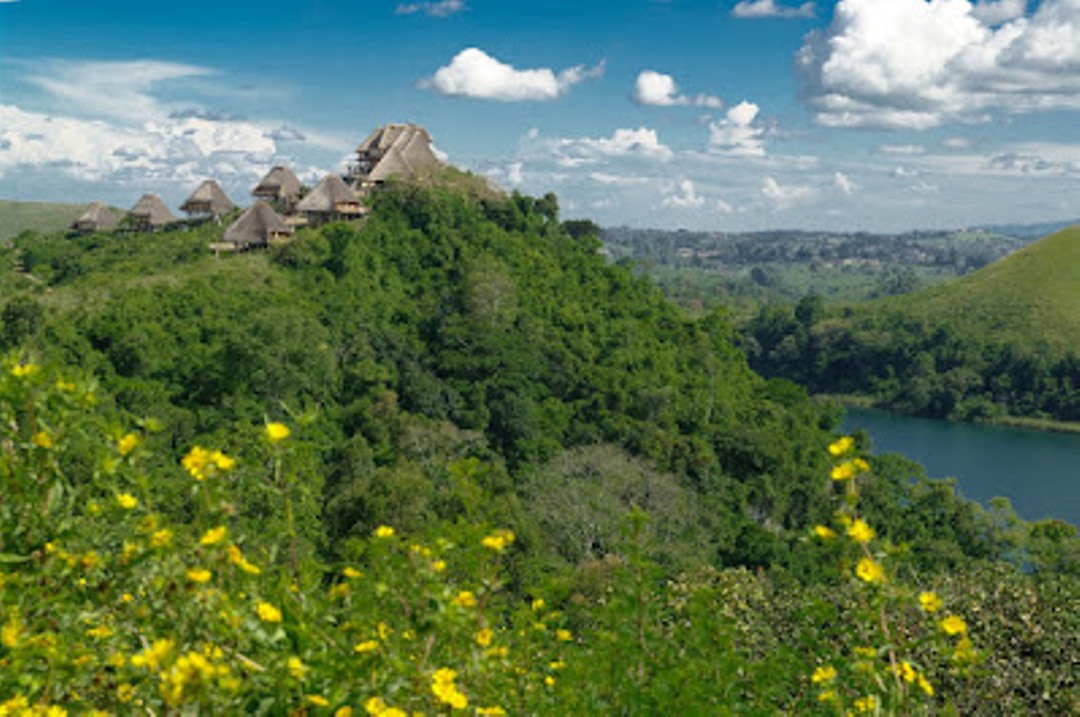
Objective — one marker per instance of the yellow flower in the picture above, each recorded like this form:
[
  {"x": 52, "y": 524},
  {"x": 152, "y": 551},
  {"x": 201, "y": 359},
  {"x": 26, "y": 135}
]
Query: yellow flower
[
  {"x": 277, "y": 432},
  {"x": 965, "y": 651},
  {"x": 267, "y": 612},
  {"x": 125, "y": 692},
  {"x": 865, "y": 704},
  {"x": 827, "y": 696},
  {"x": 352, "y": 573},
  {"x": 318, "y": 700},
  {"x": 849, "y": 469},
  {"x": 825, "y": 673},
  {"x": 824, "y": 532},
  {"x": 538, "y": 604},
  {"x": 954, "y": 625},
  {"x": 9, "y": 633},
  {"x": 930, "y": 602},
  {"x": 344, "y": 711},
  {"x": 222, "y": 461},
  {"x": 214, "y": 535},
  {"x": 443, "y": 687},
  {"x": 161, "y": 538},
  {"x": 906, "y": 672},
  {"x": 199, "y": 575},
  {"x": 556, "y": 665},
  {"x": 925, "y": 686},
  {"x": 384, "y": 531},
  {"x": 490, "y": 712},
  {"x": 128, "y": 443},
  {"x": 375, "y": 706},
  {"x": 860, "y": 532},
  {"x": 866, "y": 652},
  {"x": 101, "y": 632},
  {"x": 549, "y": 681},
  {"x": 24, "y": 370},
  {"x": 483, "y": 638},
  {"x": 841, "y": 446},
  {"x": 42, "y": 439},
  {"x": 563, "y": 635},
  {"x": 196, "y": 462},
  {"x": 152, "y": 657},
  {"x": 237, "y": 558},
  {"x": 296, "y": 666},
  {"x": 127, "y": 501},
  {"x": 465, "y": 598},
  {"x": 366, "y": 646},
  {"x": 498, "y": 540},
  {"x": 438, "y": 566},
  {"x": 870, "y": 571}
]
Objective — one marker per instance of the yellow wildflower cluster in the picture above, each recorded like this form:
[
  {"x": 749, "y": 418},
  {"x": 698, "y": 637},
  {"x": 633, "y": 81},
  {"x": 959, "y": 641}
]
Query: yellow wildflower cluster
[
  {"x": 376, "y": 707},
  {"x": 24, "y": 370},
  {"x": 907, "y": 672},
  {"x": 276, "y": 432},
  {"x": 498, "y": 541},
  {"x": 236, "y": 557},
  {"x": 189, "y": 671},
  {"x": 444, "y": 688},
  {"x": 203, "y": 464},
  {"x": 128, "y": 443},
  {"x": 384, "y": 531},
  {"x": 267, "y": 612},
  {"x": 849, "y": 469},
  {"x": 127, "y": 501},
  {"x": 930, "y": 602}
]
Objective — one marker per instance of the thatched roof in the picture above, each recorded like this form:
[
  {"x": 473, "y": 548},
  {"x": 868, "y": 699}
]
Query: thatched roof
[
  {"x": 96, "y": 218},
  {"x": 150, "y": 210},
  {"x": 209, "y": 198},
  {"x": 279, "y": 183},
  {"x": 328, "y": 196},
  {"x": 396, "y": 149},
  {"x": 256, "y": 227}
]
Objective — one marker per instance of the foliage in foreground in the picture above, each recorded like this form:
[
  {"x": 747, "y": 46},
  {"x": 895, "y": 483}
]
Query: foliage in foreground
[{"x": 135, "y": 587}]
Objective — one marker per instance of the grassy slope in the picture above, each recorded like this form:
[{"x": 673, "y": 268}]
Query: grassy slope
[
  {"x": 1031, "y": 296},
  {"x": 45, "y": 217}
]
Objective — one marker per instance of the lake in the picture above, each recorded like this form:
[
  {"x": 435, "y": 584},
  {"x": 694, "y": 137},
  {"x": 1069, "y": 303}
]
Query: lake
[{"x": 1038, "y": 471}]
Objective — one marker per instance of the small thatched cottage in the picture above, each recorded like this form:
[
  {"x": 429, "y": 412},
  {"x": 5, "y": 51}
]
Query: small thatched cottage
[
  {"x": 209, "y": 200},
  {"x": 394, "y": 149},
  {"x": 330, "y": 200},
  {"x": 150, "y": 213},
  {"x": 96, "y": 218},
  {"x": 281, "y": 187},
  {"x": 258, "y": 226}
]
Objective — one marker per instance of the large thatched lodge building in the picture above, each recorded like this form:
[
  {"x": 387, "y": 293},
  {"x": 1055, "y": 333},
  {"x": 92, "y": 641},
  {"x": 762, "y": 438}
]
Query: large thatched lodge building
[{"x": 282, "y": 201}]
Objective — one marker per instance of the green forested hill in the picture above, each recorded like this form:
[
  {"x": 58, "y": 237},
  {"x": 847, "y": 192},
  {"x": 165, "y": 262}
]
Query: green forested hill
[
  {"x": 235, "y": 484},
  {"x": 45, "y": 217},
  {"x": 1000, "y": 343},
  {"x": 1028, "y": 297}
]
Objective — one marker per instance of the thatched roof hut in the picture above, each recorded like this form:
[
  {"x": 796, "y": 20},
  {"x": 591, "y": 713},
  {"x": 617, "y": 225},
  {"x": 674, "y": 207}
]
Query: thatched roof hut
[
  {"x": 394, "y": 149},
  {"x": 150, "y": 213},
  {"x": 208, "y": 200},
  {"x": 280, "y": 185},
  {"x": 96, "y": 218},
  {"x": 258, "y": 226},
  {"x": 330, "y": 199}
]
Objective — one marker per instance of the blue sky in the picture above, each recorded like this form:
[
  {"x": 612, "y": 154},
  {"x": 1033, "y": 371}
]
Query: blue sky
[{"x": 850, "y": 115}]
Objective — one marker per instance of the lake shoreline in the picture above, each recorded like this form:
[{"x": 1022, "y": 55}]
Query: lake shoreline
[{"x": 1043, "y": 425}]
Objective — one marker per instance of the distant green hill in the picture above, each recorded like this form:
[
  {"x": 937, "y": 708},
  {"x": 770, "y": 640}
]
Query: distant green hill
[
  {"x": 45, "y": 217},
  {"x": 1031, "y": 296}
]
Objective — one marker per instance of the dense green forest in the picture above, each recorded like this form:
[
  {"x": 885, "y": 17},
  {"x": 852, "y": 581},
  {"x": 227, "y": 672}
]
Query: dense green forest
[
  {"x": 1003, "y": 341},
  {"x": 451, "y": 457},
  {"x": 743, "y": 270}
]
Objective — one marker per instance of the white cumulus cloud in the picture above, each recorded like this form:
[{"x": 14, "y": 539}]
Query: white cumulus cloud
[
  {"x": 641, "y": 143},
  {"x": 918, "y": 64},
  {"x": 844, "y": 183},
  {"x": 769, "y": 8},
  {"x": 443, "y": 8},
  {"x": 786, "y": 195},
  {"x": 656, "y": 88},
  {"x": 685, "y": 198},
  {"x": 737, "y": 134},
  {"x": 475, "y": 74}
]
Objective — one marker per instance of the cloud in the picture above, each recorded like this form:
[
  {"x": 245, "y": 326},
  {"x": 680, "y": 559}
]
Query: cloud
[
  {"x": 736, "y": 133},
  {"x": 1000, "y": 11},
  {"x": 769, "y": 8},
  {"x": 119, "y": 90},
  {"x": 640, "y": 143},
  {"x": 686, "y": 197},
  {"x": 919, "y": 64},
  {"x": 1030, "y": 164},
  {"x": 785, "y": 196},
  {"x": 445, "y": 8},
  {"x": 957, "y": 142},
  {"x": 475, "y": 74},
  {"x": 656, "y": 88},
  {"x": 902, "y": 150},
  {"x": 844, "y": 183}
]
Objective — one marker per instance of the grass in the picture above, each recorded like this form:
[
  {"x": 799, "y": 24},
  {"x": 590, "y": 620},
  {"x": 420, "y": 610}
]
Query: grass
[
  {"x": 1030, "y": 297},
  {"x": 44, "y": 217}
]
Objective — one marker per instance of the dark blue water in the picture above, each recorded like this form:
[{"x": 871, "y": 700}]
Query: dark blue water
[{"x": 1036, "y": 470}]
